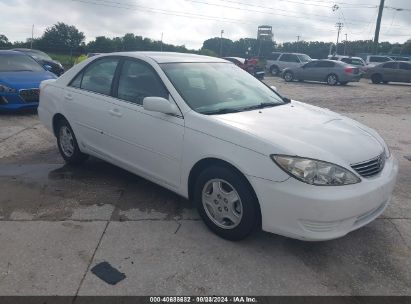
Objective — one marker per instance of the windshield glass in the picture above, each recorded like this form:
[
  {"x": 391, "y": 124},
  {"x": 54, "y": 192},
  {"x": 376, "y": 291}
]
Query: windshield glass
[
  {"x": 304, "y": 58},
  {"x": 17, "y": 62},
  {"x": 38, "y": 55},
  {"x": 217, "y": 88}
]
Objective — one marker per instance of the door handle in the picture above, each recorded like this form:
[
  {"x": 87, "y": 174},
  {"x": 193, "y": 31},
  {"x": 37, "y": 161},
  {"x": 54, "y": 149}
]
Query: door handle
[
  {"x": 68, "y": 96},
  {"x": 115, "y": 112}
]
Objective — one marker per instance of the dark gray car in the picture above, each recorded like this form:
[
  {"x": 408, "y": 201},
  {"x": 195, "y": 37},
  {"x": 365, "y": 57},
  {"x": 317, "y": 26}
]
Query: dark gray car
[
  {"x": 329, "y": 71},
  {"x": 396, "y": 71}
]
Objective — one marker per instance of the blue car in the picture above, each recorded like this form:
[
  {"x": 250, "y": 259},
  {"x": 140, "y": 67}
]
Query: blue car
[{"x": 20, "y": 77}]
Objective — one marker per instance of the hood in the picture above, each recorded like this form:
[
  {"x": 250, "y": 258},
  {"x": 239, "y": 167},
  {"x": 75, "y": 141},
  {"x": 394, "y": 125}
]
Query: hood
[
  {"x": 20, "y": 80},
  {"x": 308, "y": 131}
]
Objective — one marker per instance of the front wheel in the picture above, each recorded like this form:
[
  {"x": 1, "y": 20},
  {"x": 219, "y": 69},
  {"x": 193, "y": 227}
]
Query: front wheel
[
  {"x": 274, "y": 70},
  {"x": 226, "y": 203},
  {"x": 67, "y": 143},
  {"x": 288, "y": 76},
  {"x": 332, "y": 79}
]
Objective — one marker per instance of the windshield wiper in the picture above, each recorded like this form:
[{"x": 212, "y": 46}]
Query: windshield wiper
[
  {"x": 260, "y": 106},
  {"x": 220, "y": 111}
]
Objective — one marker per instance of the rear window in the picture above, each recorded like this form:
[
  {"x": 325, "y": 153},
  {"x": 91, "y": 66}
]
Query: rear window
[
  {"x": 289, "y": 58},
  {"x": 352, "y": 61},
  {"x": 304, "y": 58}
]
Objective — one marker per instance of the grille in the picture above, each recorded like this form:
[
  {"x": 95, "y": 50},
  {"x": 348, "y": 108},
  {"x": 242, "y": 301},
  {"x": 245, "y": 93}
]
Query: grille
[
  {"x": 370, "y": 167},
  {"x": 29, "y": 95}
]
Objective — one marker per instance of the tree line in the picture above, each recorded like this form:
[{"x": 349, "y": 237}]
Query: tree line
[{"x": 66, "y": 39}]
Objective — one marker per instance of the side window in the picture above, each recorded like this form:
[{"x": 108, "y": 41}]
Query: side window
[
  {"x": 76, "y": 82},
  {"x": 325, "y": 64},
  {"x": 390, "y": 65},
  {"x": 99, "y": 75},
  {"x": 405, "y": 66},
  {"x": 311, "y": 64},
  {"x": 273, "y": 56},
  {"x": 137, "y": 81},
  {"x": 289, "y": 58}
]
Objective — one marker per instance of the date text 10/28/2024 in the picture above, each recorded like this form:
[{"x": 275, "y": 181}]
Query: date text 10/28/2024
[{"x": 203, "y": 299}]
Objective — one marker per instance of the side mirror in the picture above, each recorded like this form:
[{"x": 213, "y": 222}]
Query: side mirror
[
  {"x": 159, "y": 104},
  {"x": 273, "y": 88}
]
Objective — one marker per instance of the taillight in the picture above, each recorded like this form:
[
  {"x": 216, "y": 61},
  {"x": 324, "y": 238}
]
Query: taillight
[{"x": 349, "y": 70}]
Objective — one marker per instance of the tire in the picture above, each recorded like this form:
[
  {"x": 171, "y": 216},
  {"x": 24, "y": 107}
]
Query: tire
[
  {"x": 288, "y": 76},
  {"x": 376, "y": 78},
  {"x": 67, "y": 143},
  {"x": 213, "y": 190},
  {"x": 343, "y": 82},
  {"x": 274, "y": 70},
  {"x": 332, "y": 79}
]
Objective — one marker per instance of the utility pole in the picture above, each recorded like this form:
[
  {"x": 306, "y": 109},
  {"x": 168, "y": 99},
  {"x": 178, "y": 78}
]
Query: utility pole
[
  {"x": 298, "y": 40},
  {"x": 161, "y": 48},
  {"x": 339, "y": 26},
  {"x": 221, "y": 43},
  {"x": 377, "y": 27},
  {"x": 345, "y": 44},
  {"x": 32, "y": 37}
]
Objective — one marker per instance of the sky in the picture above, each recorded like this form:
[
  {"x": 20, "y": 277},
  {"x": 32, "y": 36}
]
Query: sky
[{"x": 190, "y": 22}]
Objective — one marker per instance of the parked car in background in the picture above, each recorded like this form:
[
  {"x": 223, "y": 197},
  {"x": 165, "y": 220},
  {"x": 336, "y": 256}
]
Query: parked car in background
[
  {"x": 400, "y": 58},
  {"x": 396, "y": 71},
  {"x": 372, "y": 60},
  {"x": 329, "y": 71},
  {"x": 249, "y": 65},
  {"x": 20, "y": 77},
  {"x": 355, "y": 61},
  {"x": 45, "y": 60},
  {"x": 277, "y": 62},
  {"x": 214, "y": 134}
]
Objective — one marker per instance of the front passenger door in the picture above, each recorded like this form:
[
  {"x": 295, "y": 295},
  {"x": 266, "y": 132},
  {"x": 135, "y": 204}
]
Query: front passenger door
[{"x": 148, "y": 143}]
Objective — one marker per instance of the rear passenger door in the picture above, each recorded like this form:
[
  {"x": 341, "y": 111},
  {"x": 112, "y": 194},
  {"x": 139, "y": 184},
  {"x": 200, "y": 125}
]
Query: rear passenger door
[
  {"x": 288, "y": 61},
  {"x": 87, "y": 102},
  {"x": 324, "y": 68}
]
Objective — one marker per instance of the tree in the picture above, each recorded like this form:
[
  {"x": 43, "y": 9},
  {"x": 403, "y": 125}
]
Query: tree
[
  {"x": 61, "y": 38},
  {"x": 406, "y": 48},
  {"x": 102, "y": 44},
  {"x": 4, "y": 41}
]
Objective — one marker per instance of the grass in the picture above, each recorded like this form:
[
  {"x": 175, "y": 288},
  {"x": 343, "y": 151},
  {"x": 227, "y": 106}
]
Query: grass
[{"x": 66, "y": 60}]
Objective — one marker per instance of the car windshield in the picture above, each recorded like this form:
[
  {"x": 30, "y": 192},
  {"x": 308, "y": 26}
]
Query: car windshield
[
  {"x": 304, "y": 58},
  {"x": 17, "y": 63},
  {"x": 218, "y": 88},
  {"x": 38, "y": 55}
]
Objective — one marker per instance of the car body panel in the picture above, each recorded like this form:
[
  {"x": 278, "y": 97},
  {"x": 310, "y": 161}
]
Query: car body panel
[
  {"x": 398, "y": 71},
  {"x": 165, "y": 148}
]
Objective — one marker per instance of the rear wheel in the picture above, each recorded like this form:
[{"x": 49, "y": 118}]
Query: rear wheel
[
  {"x": 376, "y": 78},
  {"x": 288, "y": 76},
  {"x": 226, "y": 203},
  {"x": 332, "y": 79},
  {"x": 274, "y": 70},
  {"x": 67, "y": 143}
]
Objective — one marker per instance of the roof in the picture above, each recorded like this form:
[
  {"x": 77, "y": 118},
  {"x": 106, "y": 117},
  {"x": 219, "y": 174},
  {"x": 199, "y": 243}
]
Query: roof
[
  {"x": 10, "y": 52},
  {"x": 169, "y": 57}
]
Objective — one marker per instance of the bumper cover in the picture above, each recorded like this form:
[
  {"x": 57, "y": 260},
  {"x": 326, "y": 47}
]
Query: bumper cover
[{"x": 314, "y": 213}]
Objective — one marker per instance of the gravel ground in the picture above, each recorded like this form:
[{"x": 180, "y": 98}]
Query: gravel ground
[{"x": 57, "y": 222}]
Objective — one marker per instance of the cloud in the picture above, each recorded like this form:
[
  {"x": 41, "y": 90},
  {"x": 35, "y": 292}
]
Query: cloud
[{"x": 190, "y": 22}]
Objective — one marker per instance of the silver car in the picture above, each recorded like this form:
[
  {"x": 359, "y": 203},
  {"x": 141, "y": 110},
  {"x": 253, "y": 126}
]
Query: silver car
[
  {"x": 277, "y": 62},
  {"x": 396, "y": 71},
  {"x": 329, "y": 71}
]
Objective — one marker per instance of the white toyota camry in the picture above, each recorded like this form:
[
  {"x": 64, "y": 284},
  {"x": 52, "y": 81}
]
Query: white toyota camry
[{"x": 211, "y": 132}]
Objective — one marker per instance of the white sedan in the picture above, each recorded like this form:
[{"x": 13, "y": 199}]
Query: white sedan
[{"x": 211, "y": 132}]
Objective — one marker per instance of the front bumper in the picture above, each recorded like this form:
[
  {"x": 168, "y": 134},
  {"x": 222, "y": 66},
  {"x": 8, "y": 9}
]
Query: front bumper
[
  {"x": 314, "y": 213},
  {"x": 13, "y": 102}
]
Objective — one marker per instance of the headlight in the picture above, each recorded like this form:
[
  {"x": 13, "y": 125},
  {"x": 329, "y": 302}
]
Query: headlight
[
  {"x": 315, "y": 172},
  {"x": 6, "y": 89}
]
